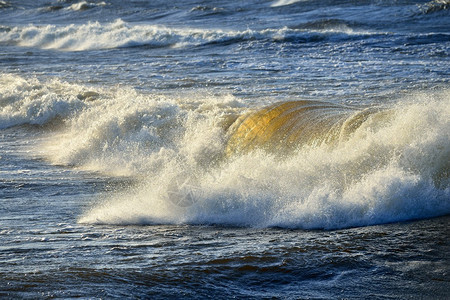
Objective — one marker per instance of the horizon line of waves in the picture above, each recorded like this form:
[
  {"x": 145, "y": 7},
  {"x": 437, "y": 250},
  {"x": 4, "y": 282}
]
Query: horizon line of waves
[{"x": 120, "y": 34}]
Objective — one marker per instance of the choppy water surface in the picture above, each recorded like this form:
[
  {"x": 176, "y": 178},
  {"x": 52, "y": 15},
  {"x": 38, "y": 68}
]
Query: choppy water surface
[{"x": 294, "y": 149}]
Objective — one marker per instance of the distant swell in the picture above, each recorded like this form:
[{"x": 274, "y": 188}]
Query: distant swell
[
  {"x": 95, "y": 35},
  {"x": 327, "y": 24}
]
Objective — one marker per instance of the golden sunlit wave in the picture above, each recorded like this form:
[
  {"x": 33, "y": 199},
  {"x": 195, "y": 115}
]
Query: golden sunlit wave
[{"x": 285, "y": 126}]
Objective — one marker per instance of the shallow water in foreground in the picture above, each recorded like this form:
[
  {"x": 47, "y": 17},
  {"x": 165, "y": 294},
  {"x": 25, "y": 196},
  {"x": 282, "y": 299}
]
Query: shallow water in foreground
[
  {"x": 44, "y": 252},
  {"x": 395, "y": 261}
]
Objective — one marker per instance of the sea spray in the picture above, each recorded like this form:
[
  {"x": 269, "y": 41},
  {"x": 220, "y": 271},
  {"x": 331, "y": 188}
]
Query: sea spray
[
  {"x": 390, "y": 169},
  {"x": 30, "y": 101}
]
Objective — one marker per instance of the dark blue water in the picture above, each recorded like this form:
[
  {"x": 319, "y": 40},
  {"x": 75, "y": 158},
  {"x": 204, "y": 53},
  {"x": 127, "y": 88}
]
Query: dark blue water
[{"x": 120, "y": 175}]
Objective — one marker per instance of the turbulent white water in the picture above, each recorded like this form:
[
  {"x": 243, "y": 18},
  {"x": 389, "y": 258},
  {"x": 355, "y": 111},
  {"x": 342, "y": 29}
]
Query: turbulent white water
[
  {"x": 96, "y": 35},
  {"x": 387, "y": 172},
  {"x": 394, "y": 167}
]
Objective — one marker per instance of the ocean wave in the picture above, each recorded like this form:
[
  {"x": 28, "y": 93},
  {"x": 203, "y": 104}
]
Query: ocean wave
[
  {"x": 4, "y": 4},
  {"x": 285, "y": 2},
  {"x": 434, "y": 6},
  {"x": 311, "y": 164},
  {"x": 282, "y": 127},
  {"x": 83, "y": 5},
  {"x": 95, "y": 35},
  {"x": 392, "y": 165},
  {"x": 128, "y": 121},
  {"x": 327, "y": 24},
  {"x": 79, "y": 6},
  {"x": 429, "y": 38},
  {"x": 208, "y": 10},
  {"x": 30, "y": 101}
]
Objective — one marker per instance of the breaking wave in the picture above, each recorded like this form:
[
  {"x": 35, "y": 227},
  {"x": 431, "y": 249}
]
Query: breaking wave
[
  {"x": 435, "y": 6},
  {"x": 83, "y": 5},
  {"x": 31, "y": 102},
  {"x": 391, "y": 166},
  {"x": 95, "y": 35},
  {"x": 284, "y": 126},
  {"x": 4, "y": 4},
  {"x": 212, "y": 159}
]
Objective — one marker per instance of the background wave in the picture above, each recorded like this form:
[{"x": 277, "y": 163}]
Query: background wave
[
  {"x": 95, "y": 35},
  {"x": 286, "y": 2}
]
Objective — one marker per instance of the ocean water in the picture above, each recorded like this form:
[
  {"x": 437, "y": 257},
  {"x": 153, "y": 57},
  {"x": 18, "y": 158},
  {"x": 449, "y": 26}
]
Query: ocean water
[{"x": 226, "y": 149}]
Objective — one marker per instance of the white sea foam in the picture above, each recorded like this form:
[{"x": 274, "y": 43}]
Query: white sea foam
[
  {"x": 28, "y": 101},
  {"x": 84, "y": 5},
  {"x": 286, "y": 2},
  {"x": 95, "y": 35},
  {"x": 394, "y": 167},
  {"x": 4, "y": 4}
]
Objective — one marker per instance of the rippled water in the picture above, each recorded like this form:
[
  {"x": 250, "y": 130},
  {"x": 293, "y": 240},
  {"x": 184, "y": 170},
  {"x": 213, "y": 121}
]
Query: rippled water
[{"x": 198, "y": 149}]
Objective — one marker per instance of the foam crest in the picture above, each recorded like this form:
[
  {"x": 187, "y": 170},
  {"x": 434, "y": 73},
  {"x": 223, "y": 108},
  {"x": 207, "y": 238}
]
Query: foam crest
[
  {"x": 286, "y": 2},
  {"x": 84, "y": 5},
  {"x": 434, "y": 6},
  {"x": 388, "y": 165},
  {"x": 95, "y": 35},
  {"x": 392, "y": 167},
  {"x": 4, "y": 4},
  {"x": 29, "y": 101},
  {"x": 132, "y": 134}
]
